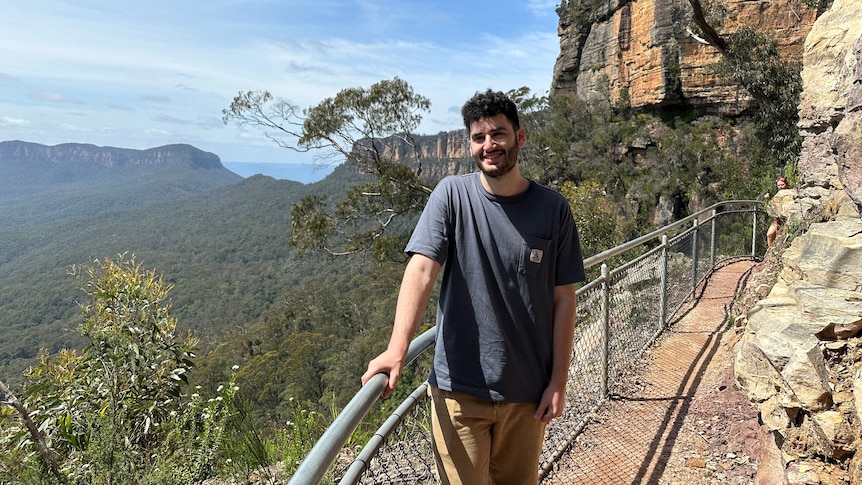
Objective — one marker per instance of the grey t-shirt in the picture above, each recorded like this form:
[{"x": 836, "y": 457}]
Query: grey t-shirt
[{"x": 502, "y": 257}]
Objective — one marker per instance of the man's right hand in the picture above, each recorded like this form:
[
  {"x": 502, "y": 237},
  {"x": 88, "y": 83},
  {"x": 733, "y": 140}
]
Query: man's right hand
[{"x": 390, "y": 363}]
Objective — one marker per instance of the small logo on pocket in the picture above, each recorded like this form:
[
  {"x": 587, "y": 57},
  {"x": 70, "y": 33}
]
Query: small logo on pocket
[{"x": 536, "y": 255}]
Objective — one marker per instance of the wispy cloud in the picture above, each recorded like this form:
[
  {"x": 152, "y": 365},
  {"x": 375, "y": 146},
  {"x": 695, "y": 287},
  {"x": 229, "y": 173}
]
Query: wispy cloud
[
  {"x": 7, "y": 121},
  {"x": 155, "y": 98},
  {"x": 54, "y": 98},
  {"x": 120, "y": 107},
  {"x": 170, "y": 120}
]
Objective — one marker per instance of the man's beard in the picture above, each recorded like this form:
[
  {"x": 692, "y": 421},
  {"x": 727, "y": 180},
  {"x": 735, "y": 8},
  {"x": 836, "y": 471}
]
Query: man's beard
[{"x": 510, "y": 158}]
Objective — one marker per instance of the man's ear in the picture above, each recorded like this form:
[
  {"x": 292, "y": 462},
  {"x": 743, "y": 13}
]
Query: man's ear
[{"x": 521, "y": 136}]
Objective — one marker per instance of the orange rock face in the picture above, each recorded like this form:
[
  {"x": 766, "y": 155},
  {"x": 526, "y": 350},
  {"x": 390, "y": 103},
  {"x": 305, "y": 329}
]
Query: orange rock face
[{"x": 647, "y": 50}]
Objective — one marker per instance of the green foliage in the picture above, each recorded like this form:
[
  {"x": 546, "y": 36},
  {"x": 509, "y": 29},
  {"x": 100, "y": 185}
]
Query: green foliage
[
  {"x": 751, "y": 60},
  {"x": 600, "y": 226},
  {"x": 579, "y": 12},
  {"x": 564, "y": 140},
  {"x": 386, "y": 108},
  {"x": 252, "y": 452},
  {"x": 301, "y": 431},
  {"x": 794, "y": 228},
  {"x": 196, "y": 438},
  {"x": 310, "y": 224},
  {"x": 133, "y": 342},
  {"x": 116, "y": 413},
  {"x": 316, "y": 347},
  {"x": 366, "y": 127},
  {"x": 715, "y": 12},
  {"x": 371, "y": 209},
  {"x": 226, "y": 252},
  {"x": 639, "y": 160},
  {"x": 754, "y": 62}
]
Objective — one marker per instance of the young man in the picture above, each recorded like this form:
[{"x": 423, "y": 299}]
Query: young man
[{"x": 506, "y": 314}]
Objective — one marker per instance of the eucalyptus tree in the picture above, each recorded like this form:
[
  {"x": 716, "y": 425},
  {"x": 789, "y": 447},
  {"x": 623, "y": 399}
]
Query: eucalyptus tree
[{"x": 371, "y": 130}]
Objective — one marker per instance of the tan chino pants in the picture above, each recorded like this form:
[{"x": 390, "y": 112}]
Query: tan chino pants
[{"x": 477, "y": 440}]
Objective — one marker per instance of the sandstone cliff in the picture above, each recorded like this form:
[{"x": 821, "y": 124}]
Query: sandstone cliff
[
  {"x": 646, "y": 50},
  {"x": 830, "y": 109},
  {"x": 56, "y": 184},
  {"x": 448, "y": 152}
]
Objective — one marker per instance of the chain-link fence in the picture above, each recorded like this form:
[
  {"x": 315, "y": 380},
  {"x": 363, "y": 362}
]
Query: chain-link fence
[{"x": 634, "y": 296}]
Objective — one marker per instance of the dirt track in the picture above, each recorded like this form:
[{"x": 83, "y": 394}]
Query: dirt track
[{"x": 678, "y": 419}]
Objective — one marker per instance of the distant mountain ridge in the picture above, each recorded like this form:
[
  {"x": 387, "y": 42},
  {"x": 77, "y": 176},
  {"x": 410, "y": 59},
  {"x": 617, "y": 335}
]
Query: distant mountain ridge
[
  {"x": 18, "y": 152},
  {"x": 42, "y": 184}
]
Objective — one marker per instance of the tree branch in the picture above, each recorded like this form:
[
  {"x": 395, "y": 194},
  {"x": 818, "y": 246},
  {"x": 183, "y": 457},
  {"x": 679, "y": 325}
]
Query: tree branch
[
  {"x": 709, "y": 33},
  {"x": 712, "y": 37},
  {"x": 46, "y": 453}
]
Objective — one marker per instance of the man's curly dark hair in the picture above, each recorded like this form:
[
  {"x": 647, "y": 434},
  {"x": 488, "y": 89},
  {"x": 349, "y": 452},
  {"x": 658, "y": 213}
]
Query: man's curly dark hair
[{"x": 488, "y": 105}]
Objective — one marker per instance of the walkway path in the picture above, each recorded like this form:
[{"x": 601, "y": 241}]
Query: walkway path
[{"x": 678, "y": 419}]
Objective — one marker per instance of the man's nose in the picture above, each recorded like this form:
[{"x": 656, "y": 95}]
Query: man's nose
[{"x": 488, "y": 143}]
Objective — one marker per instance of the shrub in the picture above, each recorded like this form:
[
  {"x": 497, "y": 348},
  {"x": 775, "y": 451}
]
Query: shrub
[{"x": 120, "y": 411}]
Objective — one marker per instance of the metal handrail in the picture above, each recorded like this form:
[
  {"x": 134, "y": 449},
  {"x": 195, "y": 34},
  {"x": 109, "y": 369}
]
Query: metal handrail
[
  {"x": 324, "y": 452},
  {"x": 658, "y": 233},
  {"x": 373, "y": 446},
  {"x": 313, "y": 469}
]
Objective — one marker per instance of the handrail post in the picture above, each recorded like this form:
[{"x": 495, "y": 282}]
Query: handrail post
[
  {"x": 713, "y": 248},
  {"x": 754, "y": 232},
  {"x": 662, "y": 309},
  {"x": 694, "y": 235},
  {"x": 605, "y": 328}
]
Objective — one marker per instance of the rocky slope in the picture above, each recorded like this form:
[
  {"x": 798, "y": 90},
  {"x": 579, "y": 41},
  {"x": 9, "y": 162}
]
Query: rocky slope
[
  {"x": 799, "y": 358},
  {"x": 830, "y": 111}
]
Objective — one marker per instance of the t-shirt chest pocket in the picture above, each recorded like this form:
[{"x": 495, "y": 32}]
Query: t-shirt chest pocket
[{"x": 535, "y": 257}]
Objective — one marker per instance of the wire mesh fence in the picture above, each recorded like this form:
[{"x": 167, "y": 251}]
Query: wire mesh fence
[
  {"x": 621, "y": 311},
  {"x": 405, "y": 456}
]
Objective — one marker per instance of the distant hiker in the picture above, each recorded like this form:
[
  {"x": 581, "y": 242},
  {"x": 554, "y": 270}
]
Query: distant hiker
[{"x": 772, "y": 232}]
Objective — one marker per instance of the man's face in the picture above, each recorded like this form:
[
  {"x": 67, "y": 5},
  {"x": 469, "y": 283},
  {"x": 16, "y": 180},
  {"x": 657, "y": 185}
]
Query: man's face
[{"x": 494, "y": 145}]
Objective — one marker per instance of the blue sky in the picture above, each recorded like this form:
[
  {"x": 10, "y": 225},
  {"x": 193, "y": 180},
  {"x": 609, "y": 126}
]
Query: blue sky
[{"x": 145, "y": 74}]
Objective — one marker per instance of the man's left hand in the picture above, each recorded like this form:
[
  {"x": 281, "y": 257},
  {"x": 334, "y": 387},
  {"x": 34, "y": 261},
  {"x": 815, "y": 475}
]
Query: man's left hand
[{"x": 552, "y": 403}]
